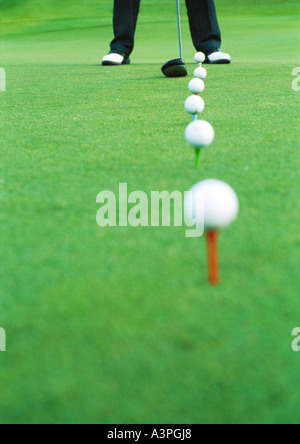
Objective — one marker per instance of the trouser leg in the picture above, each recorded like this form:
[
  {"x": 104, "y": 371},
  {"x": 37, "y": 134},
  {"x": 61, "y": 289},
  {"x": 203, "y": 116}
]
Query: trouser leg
[
  {"x": 124, "y": 21},
  {"x": 204, "y": 25}
]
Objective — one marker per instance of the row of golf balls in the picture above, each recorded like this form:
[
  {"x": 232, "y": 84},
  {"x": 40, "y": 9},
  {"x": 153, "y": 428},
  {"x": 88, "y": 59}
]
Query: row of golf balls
[
  {"x": 199, "y": 133},
  {"x": 221, "y": 205}
]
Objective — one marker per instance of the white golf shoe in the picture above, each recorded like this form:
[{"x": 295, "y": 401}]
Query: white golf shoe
[
  {"x": 217, "y": 57},
  {"x": 114, "y": 59}
]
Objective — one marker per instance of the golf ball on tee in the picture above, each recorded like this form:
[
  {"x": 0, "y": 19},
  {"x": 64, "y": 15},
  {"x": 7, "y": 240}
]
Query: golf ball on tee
[
  {"x": 199, "y": 57},
  {"x": 196, "y": 86},
  {"x": 221, "y": 205},
  {"x": 194, "y": 105},
  {"x": 200, "y": 73},
  {"x": 199, "y": 134}
]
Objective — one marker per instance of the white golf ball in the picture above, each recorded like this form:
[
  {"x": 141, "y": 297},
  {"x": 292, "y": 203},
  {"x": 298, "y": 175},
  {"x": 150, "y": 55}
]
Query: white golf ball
[
  {"x": 194, "y": 105},
  {"x": 200, "y": 73},
  {"x": 199, "y": 133},
  {"x": 196, "y": 86},
  {"x": 199, "y": 57},
  {"x": 218, "y": 201}
]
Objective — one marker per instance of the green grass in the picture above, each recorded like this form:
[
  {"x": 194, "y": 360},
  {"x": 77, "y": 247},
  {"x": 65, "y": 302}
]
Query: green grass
[{"x": 120, "y": 325}]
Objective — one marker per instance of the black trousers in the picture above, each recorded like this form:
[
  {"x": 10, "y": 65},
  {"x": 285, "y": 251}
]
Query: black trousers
[{"x": 202, "y": 18}]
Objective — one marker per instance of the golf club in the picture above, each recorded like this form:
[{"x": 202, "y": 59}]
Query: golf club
[{"x": 176, "y": 67}]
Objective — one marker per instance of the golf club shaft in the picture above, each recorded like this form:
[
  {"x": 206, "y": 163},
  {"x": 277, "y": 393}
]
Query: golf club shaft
[{"x": 179, "y": 28}]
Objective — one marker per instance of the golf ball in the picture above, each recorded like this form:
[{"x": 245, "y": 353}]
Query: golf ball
[
  {"x": 217, "y": 199},
  {"x": 199, "y": 133},
  {"x": 194, "y": 105},
  {"x": 200, "y": 73},
  {"x": 199, "y": 57},
  {"x": 196, "y": 86}
]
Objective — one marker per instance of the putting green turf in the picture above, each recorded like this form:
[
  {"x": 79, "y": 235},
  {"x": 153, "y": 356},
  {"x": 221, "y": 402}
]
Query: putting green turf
[{"x": 120, "y": 325}]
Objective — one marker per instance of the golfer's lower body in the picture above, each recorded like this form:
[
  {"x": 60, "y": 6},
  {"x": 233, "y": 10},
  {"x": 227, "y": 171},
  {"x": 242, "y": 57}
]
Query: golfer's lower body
[{"x": 204, "y": 28}]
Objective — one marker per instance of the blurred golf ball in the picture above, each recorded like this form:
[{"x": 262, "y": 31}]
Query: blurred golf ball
[
  {"x": 199, "y": 133},
  {"x": 196, "y": 86},
  {"x": 194, "y": 105},
  {"x": 200, "y": 73},
  {"x": 199, "y": 57},
  {"x": 218, "y": 200}
]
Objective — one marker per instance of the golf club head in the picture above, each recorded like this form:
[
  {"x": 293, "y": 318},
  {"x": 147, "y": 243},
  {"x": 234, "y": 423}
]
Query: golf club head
[{"x": 175, "y": 68}]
